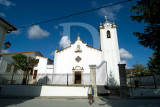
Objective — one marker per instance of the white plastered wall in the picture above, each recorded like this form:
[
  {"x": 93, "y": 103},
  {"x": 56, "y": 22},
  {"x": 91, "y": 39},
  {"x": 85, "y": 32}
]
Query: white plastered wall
[
  {"x": 110, "y": 52},
  {"x": 42, "y": 66},
  {"x": 65, "y": 59}
]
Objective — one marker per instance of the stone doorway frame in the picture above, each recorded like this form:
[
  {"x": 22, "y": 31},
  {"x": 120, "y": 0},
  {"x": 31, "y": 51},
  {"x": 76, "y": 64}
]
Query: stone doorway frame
[{"x": 77, "y": 69}]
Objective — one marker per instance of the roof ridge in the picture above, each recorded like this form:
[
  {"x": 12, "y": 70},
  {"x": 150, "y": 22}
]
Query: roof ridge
[
  {"x": 20, "y": 52},
  {"x": 75, "y": 42}
]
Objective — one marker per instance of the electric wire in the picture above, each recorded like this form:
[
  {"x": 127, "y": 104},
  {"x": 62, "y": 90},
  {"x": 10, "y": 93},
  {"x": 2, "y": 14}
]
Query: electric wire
[{"x": 73, "y": 14}]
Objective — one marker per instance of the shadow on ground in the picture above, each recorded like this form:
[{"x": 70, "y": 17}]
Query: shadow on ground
[
  {"x": 115, "y": 101},
  {"x": 10, "y": 101},
  {"x": 14, "y": 94}
]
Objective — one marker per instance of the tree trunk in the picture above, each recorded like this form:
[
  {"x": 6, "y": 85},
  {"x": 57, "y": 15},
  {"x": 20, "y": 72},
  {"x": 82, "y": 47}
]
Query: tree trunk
[
  {"x": 27, "y": 78},
  {"x": 24, "y": 78},
  {"x": 155, "y": 85}
]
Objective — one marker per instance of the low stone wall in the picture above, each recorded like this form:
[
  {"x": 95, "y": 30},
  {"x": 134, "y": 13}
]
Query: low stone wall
[
  {"x": 108, "y": 90},
  {"x": 32, "y": 90},
  {"x": 144, "y": 92}
]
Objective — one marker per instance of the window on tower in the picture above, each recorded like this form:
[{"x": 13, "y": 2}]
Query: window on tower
[{"x": 108, "y": 34}]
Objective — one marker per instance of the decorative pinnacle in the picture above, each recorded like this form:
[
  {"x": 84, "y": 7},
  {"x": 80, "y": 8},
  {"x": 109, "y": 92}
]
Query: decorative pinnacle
[
  {"x": 101, "y": 24},
  {"x": 78, "y": 37},
  {"x": 105, "y": 18},
  {"x": 78, "y": 34},
  {"x": 57, "y": 48}
]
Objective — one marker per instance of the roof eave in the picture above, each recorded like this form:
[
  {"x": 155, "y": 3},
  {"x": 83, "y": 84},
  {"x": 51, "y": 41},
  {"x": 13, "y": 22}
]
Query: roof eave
[{"x": 10, "y": 26}]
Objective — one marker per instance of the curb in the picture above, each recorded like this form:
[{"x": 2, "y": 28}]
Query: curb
[
  {"x": 72, "y": 97},
  {"x": 41, "y": 97}
]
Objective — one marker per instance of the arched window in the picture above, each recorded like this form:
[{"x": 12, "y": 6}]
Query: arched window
[{"x": 108, "y": 34}]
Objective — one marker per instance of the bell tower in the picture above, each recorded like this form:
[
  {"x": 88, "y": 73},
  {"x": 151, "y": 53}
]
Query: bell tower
[{"x": 110, "y": 50}]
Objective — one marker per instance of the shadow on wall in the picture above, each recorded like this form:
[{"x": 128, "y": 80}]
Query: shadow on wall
[
  {"x": 44, "y": 80},
  {"x": 110, "y": 88},
  {"x": 111, "y": 80},
  {"x": 145, "y": 92}
]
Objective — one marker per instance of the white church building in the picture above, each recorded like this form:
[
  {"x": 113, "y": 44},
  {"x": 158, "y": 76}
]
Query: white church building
[
  {"x": 77, "y": 58},
  {"x": 73, "y": 64}
]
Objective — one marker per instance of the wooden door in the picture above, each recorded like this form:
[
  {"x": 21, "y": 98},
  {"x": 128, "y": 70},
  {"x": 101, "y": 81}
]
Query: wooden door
[
  {"x": 78, "y": 77},
  {"x": 35, "y": 74}
]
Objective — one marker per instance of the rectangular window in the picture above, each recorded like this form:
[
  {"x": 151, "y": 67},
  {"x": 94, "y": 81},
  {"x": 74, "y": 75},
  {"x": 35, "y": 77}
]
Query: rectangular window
[
  {"x": 14, "y": 70},
  {"x": 9, "y": 68}
]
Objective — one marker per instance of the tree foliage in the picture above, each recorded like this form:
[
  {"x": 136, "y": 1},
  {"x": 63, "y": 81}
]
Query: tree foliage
[
  {"x": 24, "y": 63},
  {"x": 148, "y": 12},
  {"x": 154, "y": 63},
  {"x": 140, "y": 70}
]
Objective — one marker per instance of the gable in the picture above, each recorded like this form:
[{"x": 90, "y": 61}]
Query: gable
[
  {"x": 78, "y": 56},
  {"x": 78, "y": 44}
]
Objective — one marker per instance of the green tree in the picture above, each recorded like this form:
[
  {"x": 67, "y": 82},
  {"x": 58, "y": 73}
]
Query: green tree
[
  {"x": 140, "y": 70},
  {"x": 154, "y": 63},
  {"x": 148, "y": 12},
  {"x": 24, "y": 63}
]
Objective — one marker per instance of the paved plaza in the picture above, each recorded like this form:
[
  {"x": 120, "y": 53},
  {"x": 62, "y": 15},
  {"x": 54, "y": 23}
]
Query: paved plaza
[{"x": 68, "y": 102}]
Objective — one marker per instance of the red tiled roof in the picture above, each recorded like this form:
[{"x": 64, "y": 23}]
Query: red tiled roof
[
  {"x": 21, "y": 53},
  {"x": 129, "y": 70}
]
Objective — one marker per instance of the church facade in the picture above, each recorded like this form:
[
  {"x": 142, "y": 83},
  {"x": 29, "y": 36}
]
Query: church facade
[
  {"x": 77, "y": 58},
  {"x": 73, "y": 65}
]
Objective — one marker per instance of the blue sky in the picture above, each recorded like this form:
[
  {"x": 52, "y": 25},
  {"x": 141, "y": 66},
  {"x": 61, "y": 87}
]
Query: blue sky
[{"x": 47, "y": 36}]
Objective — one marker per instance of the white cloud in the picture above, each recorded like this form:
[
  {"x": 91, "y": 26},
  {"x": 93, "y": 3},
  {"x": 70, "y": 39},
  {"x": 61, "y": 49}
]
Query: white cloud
[
  {"x": 64, "y": 42},
  {"x": 110, "y": 12},
  {"x": 35, "y": 32},
  {"x": 6, "y": 3},
  {"x": 124, "y": 56},
  {"x": 16, "y": 32},
  {"x": 94, "y": 3},
  {"x": 4, "y": 51},
  {"x": 2, "y": 15}
]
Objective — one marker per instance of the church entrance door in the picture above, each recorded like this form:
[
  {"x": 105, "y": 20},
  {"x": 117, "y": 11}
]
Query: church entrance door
[{"x": 78, "y": 77}]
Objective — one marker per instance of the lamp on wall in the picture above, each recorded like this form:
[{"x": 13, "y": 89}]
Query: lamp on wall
[{"x": 7, "y": 45}]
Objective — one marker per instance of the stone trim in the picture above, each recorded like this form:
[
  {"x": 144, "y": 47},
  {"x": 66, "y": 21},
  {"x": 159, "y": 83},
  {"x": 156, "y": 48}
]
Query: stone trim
[
  {"x": 93, "y": 78},
  {"x": 77, "y": 70},
  {"x": 92, "y": 66},
  {"x": 78, "y": 51}
]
